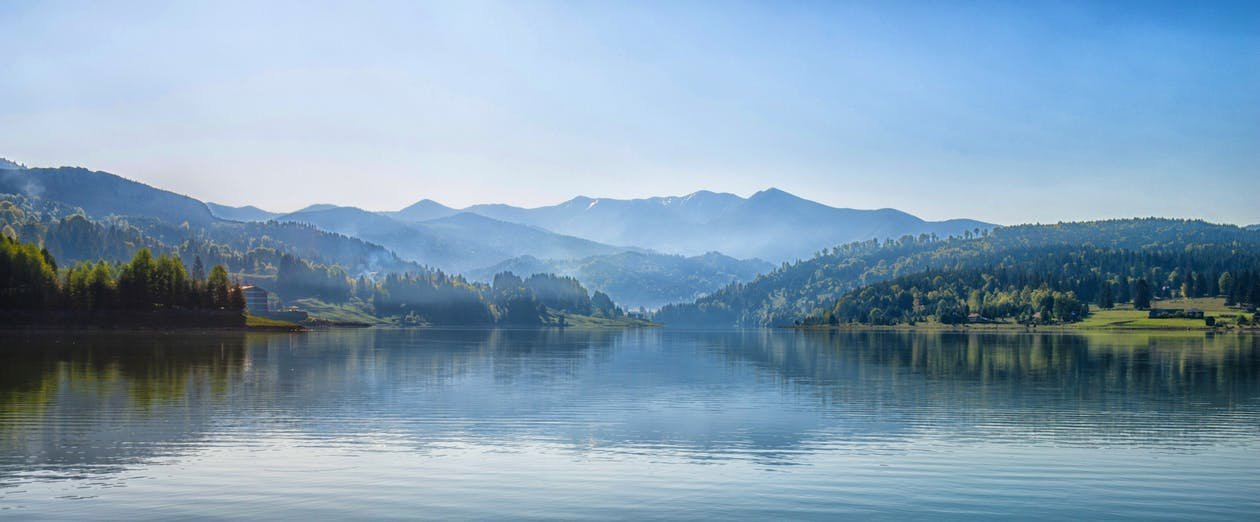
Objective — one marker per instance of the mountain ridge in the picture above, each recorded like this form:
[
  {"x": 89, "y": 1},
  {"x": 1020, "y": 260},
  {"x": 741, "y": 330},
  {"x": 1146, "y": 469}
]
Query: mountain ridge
[
  {"x": 102, "y": 194},
  {"x": 770, "y": 224},
  {"x": 457, "y": 242},
  {"x": 242, "y": 213}
]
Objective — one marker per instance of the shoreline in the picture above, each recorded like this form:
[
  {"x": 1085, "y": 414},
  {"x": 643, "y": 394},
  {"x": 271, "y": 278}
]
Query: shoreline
[
  {"x": 140, "y": 321},
  {"x": 1012, "y": 328}
]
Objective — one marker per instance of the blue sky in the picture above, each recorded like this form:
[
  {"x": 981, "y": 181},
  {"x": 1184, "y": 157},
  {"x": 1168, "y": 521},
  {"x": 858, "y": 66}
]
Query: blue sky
[{"x": 1009, "y": 112}]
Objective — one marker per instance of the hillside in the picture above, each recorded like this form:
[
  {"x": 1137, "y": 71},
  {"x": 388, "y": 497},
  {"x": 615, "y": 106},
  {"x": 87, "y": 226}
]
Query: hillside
[
  {"x": 500, "y": 240},
  {"x": 123, "y": 216},
  {"x": 101, "y": 194},
  {"x": 252, "y": 248},
  {"x": 1055, "y": 285},
  {"x": 641, "y": 279},
  {"x": 800, "y": 290},
  {"x": 456, "y": 243}
]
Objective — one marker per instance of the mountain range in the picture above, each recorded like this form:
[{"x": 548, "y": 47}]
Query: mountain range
[
  {"x": 772, "y": 224},
  {"x": 459, "y": 242},
  {"x": 643, "y": 252},
  {"x": 361, "y": 242},
  {"x": 704, "y": 250}
]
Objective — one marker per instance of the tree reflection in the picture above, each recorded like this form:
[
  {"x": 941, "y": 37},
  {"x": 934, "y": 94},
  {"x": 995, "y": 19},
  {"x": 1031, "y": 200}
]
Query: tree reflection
[{"x": 98, "y": 401}]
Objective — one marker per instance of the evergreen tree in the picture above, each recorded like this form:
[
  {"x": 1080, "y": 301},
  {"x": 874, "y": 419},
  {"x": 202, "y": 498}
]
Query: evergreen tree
[
  {"x": 1142, "y": 295},
  {"x": 27, "y": 278},
  {"x": 198, "y": 270},
  {"x": 1106, "y": 300},
  {"x": 219, "y": 287},
  {"x": 135, "y": 281},
  {"x": 1226, "y": 286}
]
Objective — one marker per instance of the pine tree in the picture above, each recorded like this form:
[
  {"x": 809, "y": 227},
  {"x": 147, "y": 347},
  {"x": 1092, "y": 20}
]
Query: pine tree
[
  {"x": 1106, "y": 300},
  {"x": 198, "y": 270},
  {"x": 1142, "y": 295}
]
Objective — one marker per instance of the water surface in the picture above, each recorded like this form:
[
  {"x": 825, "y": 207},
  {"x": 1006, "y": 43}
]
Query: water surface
[{"x": 634, "y": 424}]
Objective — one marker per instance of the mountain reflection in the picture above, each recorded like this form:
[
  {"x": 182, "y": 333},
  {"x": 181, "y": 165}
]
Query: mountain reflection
[{"x": 97, "y": 402}]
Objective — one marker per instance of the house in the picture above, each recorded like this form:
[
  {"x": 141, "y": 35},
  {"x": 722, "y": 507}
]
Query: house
[
  {"x": 257, "y": 303},
  {"x": 1193, "y": 313},
  {"x": 975, "y": 318},
  {"x": 256, "y": 299}
]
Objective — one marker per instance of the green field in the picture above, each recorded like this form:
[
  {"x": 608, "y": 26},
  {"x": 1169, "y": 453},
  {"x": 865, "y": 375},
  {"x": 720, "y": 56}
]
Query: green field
[
  {"x": 1126, "y": 318},
  {"x": 1207, "y": 304},
  {"x": 355, "y": 311},
  {"x": 587, "y": 321},
  {"x": 253, "y": 321},
  {"x": 1130, "y": 319},
  {"x": 1122, "y": 318}
]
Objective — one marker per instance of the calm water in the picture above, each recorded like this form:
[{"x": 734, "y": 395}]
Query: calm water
[{"x": 639, "y": 424}]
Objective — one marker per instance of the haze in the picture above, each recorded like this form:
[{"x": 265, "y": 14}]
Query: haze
[{"x": 1002, "y": 112}]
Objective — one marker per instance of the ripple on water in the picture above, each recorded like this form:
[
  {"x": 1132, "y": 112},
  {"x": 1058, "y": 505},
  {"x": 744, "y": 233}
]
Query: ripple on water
[{"x": 658, "y": 424}]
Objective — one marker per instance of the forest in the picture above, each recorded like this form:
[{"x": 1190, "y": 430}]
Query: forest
[
  {"x": 294, "y": 261},
  {"x": 30, "y": 280},
  {"x": 1082, "y": 258}
]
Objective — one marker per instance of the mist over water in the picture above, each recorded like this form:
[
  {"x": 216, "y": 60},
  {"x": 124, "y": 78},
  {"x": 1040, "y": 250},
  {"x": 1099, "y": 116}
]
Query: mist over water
[{"x": 656, "y": 423}]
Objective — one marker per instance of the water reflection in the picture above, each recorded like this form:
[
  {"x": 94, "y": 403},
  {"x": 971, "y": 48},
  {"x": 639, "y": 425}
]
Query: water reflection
[
  {"x": 1170, "y": 391},
  {"x": 73, "y": 404},
  {"x": 93, "y": 403}
]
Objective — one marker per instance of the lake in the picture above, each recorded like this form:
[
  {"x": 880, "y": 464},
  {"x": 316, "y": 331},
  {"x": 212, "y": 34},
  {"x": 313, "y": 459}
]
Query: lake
[{"x": 653, "y": 423}]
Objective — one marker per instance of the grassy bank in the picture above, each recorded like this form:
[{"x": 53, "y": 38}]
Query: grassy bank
[
  {"x": 351, "y": 312},
  {"x": 359, "y": 313},
  {"x": 588, "y": 321},
  {"x": 1119, "y": 319},
  {"x": 254, "y": 322}
]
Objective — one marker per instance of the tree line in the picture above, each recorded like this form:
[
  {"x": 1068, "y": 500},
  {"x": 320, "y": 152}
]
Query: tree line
[
  {"x": 1053, "y": 284},
  {"x": 435, "y": 297},
  {"x": 30, "y": 280}
]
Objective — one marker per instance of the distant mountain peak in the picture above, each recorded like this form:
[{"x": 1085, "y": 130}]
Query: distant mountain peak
[
  {"x": 423, "y": 210},
  {"x": 425, "y": 204},
  {"x": 10, "y": 165},
  {"x": 773, "y": 192},
  {"x": 318, "y": 207},
  {"x": 707, "y": 194},
  {"x": 245, "y": 213}
]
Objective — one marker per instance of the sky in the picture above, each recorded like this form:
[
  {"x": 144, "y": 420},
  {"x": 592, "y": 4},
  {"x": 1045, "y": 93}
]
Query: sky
[{"x": 1009, "y": 112}]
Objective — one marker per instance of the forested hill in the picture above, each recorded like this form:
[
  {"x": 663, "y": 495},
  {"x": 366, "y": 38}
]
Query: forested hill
[
  {"x": 101, "y": 194},
  {"x": 640, "y": 279},
  {"x": 244, "y": 247},
  {"x": 812, "y": 287}
]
